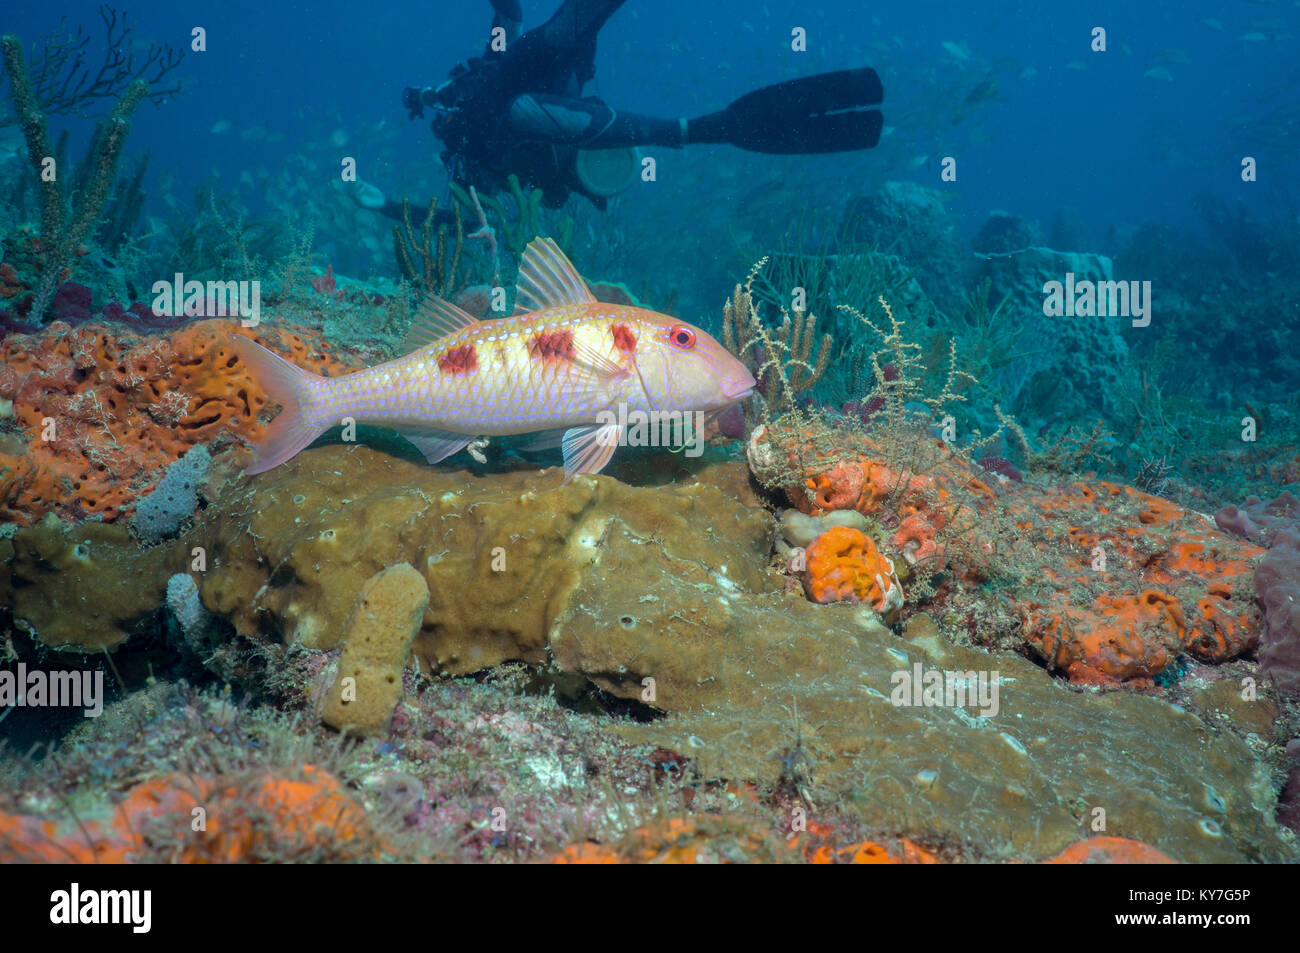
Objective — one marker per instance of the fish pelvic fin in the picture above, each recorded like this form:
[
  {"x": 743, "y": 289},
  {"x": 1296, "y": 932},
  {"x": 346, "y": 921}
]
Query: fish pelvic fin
[
  {"x": 294, "y": 389},
  {"x": 588, "y": 449},
  {"x": 437, "y": 445}
]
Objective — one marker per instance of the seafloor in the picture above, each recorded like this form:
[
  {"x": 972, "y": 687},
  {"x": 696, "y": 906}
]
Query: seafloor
[
  {"x": 966, "y": 580},
  {"x": 838, "y": 636}
]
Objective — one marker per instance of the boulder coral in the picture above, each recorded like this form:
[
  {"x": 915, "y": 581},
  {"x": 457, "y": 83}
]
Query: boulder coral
[{"x": 84, "y": 588}]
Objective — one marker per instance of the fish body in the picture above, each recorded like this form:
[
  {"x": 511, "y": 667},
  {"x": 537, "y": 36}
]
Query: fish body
[
  {"x": 567, "y": 362},
  {"x": 958, "y": 51},
  {"x": 983, "y": 92}
]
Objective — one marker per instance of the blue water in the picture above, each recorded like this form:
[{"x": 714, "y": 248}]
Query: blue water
[{"x": 1069, "y": 128}]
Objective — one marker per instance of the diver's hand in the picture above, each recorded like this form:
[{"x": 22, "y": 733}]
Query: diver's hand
[{"x": 413, "y": 102}]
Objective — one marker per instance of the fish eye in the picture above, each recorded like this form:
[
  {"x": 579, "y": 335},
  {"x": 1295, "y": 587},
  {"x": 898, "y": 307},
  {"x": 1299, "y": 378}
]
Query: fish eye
[{"x": 681, "y": 336}]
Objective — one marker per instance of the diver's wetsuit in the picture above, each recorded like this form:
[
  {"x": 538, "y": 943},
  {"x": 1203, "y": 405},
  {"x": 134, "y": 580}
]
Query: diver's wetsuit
[{"x": 521, "y": 110}]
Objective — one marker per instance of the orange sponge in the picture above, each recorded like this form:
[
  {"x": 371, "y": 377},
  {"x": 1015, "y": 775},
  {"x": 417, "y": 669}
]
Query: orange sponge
[
  {"x": 259, "y": 818},
  {"x": 103, "y": 412},
  {"x": 1110, "y": 850},
  {"x": 1119, "y": 639},
  {"x": 844, "y": 565}
]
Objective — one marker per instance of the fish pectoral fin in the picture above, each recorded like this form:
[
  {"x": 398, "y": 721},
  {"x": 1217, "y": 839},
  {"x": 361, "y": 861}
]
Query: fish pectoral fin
[
  {"x": 592, "y": 374},
  {"x": 435, "y": 320},
  {"x": 547, "y": 279},
  {"x": 437, "y": 445},
  {"x": 588, "y": 449}
]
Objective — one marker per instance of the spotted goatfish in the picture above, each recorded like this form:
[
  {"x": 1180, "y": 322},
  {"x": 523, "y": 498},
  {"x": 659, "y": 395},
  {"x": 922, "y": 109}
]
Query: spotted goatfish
[{"x": 563, "y": 362}]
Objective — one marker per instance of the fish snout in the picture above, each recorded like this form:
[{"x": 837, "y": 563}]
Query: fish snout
[{"x": 737, "y": 386}]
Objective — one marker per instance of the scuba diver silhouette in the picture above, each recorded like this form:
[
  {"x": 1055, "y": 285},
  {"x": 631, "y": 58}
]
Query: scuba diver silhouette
[{"x": 518, "y": 109}]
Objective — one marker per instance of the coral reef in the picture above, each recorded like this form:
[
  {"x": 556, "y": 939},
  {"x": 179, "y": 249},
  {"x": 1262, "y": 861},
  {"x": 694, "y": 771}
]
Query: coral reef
[
  {"x": 601, "y": 672},
  {"x": 101, "y": 413},
  {"x": 1113, "y": 584},
  {"x": 429, "y": 257},
  {"x": 1064, "y": 368},
  {"x": 912, "y": 221},
  {"x": 659, "y": 596}
]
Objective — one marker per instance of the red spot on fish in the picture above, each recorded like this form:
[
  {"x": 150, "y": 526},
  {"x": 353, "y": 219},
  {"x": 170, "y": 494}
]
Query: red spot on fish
[
  {"x": 551, "y": 344},
  {"x": 624, "y": 338},
  {"x": 459, "y": 360}
]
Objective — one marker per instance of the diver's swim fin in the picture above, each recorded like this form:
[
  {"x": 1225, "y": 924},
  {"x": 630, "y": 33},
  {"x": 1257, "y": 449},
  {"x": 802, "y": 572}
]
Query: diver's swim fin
[{"x": 815, "y": 114}]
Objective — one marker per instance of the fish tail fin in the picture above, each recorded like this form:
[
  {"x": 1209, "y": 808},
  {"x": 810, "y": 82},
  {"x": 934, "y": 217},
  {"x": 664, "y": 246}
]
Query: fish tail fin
[{"x": 294, "y": 390}]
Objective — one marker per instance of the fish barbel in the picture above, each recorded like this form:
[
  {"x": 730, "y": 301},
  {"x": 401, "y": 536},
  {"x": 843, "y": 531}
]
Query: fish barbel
[{"x": 563, "y": 361}]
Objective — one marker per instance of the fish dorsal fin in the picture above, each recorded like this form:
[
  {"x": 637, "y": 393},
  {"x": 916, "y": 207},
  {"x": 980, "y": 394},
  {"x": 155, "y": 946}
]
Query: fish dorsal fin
[
  {"x": 547, "y": 279},
  {"x": 435, "y": 320}
]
